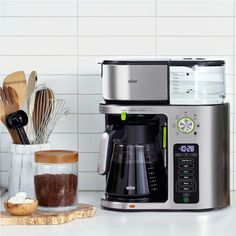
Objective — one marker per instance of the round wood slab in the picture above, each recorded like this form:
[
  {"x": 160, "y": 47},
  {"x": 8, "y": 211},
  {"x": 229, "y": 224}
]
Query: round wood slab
[{"x": 48, "y": 218}]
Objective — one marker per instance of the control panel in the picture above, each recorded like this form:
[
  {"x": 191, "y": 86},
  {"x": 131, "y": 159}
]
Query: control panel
[
  {"x": 186, "y": 123},
  {"x": 186, "y": 173}
]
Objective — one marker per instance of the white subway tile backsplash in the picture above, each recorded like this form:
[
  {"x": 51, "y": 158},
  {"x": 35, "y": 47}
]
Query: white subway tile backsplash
[
  {"x": 66, "y": 84},
  {"x": 4, "y": 179},
  {"x": 42, "y": 64},
  {"x": 234, "y": 67},
  {"x": 5, "y": 140},
  {"x": 88, "y": 65},
  {"x": 230, "y": 99},
  {"x": 229, "y": 63},
  {"x": 235, "y": 44},
  {"x": 69, "y": 124},
  {"x": 234, "y": 143},
  {"x": 231, "y": 123},
  {"x": 234, "y": 127},
  {"x": 195, "y": 46},
  {"x": 229, "y": 84},
  {"x": 231, "y": 167},
  {"x": 35, "y": 26},
  {"x": 92, "y": 123},
  {"x": 116, "y": 45},
  {"x": 116, "y": 26},
  {"x": 38, "y": 45},
  {"x": 89, "y": 142},
  {"x": 88, "y": 161},
  {"x": 89, "y": 103},
  {"x": 116, "y": 8},
  {"x": 195, "y": 8},
  {"x": 64, "y": 141},
  {"x": 4, "y": 162},
  {"x": 194, "y": 26},
  {"x": 2, "y": 128},
  {"x": 232, "y": 162},
  {"x": 233, "y": 105},
  {"x": 232, "y": 180},
  {"x": 91, "y": 180},
  {"x": 38, "y": 8},
  {"x": 90, "y": 84},
  {"x": 231, "y": 136},
  {"x": 70, "y": 101}
]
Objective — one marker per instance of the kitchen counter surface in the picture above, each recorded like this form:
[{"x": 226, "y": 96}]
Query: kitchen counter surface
[{"x": 210, "y": 223}]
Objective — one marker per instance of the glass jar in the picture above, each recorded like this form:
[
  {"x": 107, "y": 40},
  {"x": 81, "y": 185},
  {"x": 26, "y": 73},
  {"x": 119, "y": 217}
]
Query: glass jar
[{"x": 56, "y": 180}]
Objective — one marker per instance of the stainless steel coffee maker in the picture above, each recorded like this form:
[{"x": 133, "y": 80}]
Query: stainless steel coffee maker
[{"x": 166, "y": 143}]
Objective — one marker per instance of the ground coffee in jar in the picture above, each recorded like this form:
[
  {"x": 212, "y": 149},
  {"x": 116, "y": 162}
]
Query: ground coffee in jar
[{"x": 56, "y": 180}]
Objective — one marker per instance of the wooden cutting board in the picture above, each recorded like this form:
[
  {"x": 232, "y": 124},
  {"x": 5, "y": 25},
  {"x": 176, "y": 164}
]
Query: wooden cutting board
[{"x": 48, "y": 218}]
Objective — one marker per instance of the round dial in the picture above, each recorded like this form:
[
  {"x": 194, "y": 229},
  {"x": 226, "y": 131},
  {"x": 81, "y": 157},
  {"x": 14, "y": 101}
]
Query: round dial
[{"x": 186, "y": 125}]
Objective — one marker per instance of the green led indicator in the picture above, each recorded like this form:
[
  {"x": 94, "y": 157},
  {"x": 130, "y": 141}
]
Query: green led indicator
[
  {"x": 164, "y": 139},
  {"x": 123, "y": 115},
  {"x": 186, "y": 200}
]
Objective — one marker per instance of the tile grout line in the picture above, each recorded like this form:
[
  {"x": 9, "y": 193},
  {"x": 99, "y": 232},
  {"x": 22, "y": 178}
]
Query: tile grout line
[
  {"x": 115, "y": 36},
  {"x": 119, "y": 16}
]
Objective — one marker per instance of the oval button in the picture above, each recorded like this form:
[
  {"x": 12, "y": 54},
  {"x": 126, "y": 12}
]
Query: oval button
[{"x": 186, "y": 177}]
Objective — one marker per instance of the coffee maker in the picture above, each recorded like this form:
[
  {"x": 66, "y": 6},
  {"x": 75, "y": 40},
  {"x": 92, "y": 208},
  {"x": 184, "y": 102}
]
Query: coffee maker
[{"x": 166, "y": 139}]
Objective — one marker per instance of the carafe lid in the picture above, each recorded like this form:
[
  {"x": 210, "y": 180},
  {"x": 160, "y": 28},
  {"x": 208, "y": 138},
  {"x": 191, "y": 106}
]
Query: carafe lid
[{"x": 139, "y": 133}]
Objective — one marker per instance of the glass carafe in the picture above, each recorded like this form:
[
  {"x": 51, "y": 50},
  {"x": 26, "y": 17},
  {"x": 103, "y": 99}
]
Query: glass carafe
[{"x": 137, "y": 171}]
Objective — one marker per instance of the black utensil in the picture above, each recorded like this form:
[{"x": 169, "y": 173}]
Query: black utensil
[{"x": 18, "y": 120}]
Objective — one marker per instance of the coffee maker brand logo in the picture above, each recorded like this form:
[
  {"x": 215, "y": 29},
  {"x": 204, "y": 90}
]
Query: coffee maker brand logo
[
  {"x": 130, "y": 187},
  {"x": 132, "y": 81}
]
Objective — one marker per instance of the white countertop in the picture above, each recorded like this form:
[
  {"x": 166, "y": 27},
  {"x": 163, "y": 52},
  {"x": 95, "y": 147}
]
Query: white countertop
[{"x": 112, "y": 223}]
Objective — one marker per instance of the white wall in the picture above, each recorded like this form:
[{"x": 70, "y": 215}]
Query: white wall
[{"x": 64, "y": 40}]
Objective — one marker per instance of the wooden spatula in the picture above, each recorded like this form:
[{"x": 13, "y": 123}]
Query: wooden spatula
[
  {"x": 17, "y": 81},
  {"x": 9, "y": 105}
]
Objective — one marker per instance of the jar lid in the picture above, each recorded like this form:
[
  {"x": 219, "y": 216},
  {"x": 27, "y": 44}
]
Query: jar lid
[{"x": 56, "y": 156}]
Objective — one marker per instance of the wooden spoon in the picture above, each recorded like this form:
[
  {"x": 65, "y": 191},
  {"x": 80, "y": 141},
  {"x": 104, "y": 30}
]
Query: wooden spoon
[
  {"x": 17, "y": 81},
  {"x": 9, "y": 104}
]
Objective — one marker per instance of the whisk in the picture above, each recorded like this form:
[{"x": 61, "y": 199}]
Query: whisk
[{"x": 54, "y": 112}]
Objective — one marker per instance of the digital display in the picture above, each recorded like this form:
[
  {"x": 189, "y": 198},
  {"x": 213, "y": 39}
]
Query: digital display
[{"x": 186, "y": 148}]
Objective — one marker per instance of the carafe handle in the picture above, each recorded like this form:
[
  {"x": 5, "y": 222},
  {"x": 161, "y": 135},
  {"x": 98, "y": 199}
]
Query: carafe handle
[{"x": 105, "y": 150}]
